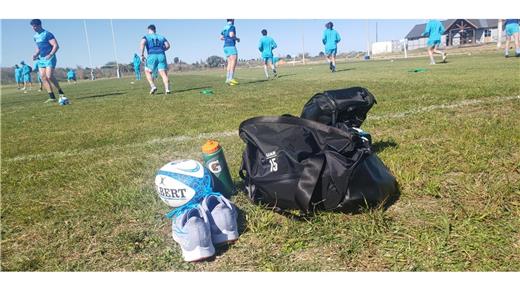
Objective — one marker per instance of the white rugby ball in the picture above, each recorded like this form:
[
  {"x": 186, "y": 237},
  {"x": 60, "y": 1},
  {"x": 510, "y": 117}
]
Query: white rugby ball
[{"x": 179, "y": 181}]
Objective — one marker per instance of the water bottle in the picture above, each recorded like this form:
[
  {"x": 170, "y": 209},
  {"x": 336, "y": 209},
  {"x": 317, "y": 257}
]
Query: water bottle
[{"x": 215, "y": 161}]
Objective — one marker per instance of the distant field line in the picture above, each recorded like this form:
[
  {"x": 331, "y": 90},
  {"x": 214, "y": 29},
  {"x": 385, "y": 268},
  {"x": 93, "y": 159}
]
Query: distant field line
[
  {"x": 154, "y": 141},
  {"x": 183, "y": 138},
  {"x": 459, "y": 104}
]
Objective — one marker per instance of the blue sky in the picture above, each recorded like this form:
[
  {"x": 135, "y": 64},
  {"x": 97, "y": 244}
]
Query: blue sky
[{"x": 191, "y": 40}]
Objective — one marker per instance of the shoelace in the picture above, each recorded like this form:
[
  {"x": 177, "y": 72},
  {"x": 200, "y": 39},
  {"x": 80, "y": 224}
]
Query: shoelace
[{"x": 193, "y": 203}]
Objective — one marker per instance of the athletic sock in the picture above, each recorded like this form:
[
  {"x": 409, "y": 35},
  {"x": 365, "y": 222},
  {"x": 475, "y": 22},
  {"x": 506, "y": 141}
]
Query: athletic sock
[
  {"x": 506, "y": 51},
  {"x": 274, "y": 71},
  {"x": 517, "y": 51},
  {"x": 266, "y": 73},
  {"x": 228, "y": 76},
  {"x": 52, "y": 96}
]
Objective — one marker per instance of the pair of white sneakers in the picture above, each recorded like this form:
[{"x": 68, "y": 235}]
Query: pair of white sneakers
[{"x": 201, "y": 227}]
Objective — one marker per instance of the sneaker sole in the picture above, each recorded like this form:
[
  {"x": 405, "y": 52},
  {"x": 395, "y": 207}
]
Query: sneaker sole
[
  {"x": 224, "y": 237},
  {"x": 198, "y": 254}
]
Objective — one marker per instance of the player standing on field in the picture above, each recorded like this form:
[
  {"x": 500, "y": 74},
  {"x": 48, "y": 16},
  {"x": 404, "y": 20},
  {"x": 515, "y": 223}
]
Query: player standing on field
[
  {"x": 46, "y": 48},
  {"x": 155, "y": 45},
  {"x": 26, "y": 76},
  {"x": 137, "y": 67},
  {"x": 512, "y": 28},
  {"x": 18, "y": 76},
  {"x": 330, "y": 39},
  {"x": 228, "y": 35},
  {"x": 266, "y": 46},
  {"x": 434, "y": 30}
]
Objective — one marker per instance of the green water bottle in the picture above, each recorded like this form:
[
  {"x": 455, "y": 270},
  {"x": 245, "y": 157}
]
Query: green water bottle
[{"x": 215, "y": 161}]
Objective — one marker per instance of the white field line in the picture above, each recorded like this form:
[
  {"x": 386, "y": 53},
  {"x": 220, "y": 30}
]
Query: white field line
[
  {"x": 463, "y": 103},
  {"x": 156, "y": 141},
  {"x": 183, "y": 138}
]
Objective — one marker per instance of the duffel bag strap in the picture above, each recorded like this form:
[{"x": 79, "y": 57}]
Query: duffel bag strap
[{"x": 308, "y": 180}]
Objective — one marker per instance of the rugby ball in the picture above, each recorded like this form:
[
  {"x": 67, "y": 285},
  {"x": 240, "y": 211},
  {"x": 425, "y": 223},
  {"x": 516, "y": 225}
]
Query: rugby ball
[
  {"x": 180, "y": 181},
  {"x": 63, "y": 101}
]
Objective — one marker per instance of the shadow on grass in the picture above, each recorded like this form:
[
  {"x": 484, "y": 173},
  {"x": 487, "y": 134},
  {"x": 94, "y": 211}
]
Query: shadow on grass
[
  {"x": 284, "y": 75},
  {"x": 380, "y": 146},
  {"x": 355, "y": 207},
  {"x": 257, "y": 81},
  {"x": 344, "y": 69},
  {"x": 100, "y": 96},
  {"x": 191, "y": 89}
]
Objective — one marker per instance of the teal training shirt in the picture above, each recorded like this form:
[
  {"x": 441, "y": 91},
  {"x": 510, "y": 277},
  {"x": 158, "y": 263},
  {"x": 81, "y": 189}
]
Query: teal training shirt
[
  {"x": 434, "y": 30},
  {"x": 330, "y": 38},
  {"x": 266, "y": 46},
  {"x": 155, "y": 43}
]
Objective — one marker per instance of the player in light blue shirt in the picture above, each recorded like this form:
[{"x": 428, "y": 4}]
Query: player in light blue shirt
[
  {"x": 18, "y": 76},
  {"x": 228, "y": 35},
  {"x": 26, "y": 76},
  {"x": 46, "y": 48},
  {"x": 512, "y": 28},
  {"x": 330, "y": 39},
  {"x": 155, "y": 45},
  {"x": 137, "y": 67},
  {"x": 434, "y": 30},
  {"x": 71, "y": 75},
  {"x": 266, "y": 46}
]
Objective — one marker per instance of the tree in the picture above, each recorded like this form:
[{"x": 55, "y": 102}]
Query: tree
[
  {"x": 288, "y": 56},
  {"x": 110, "y": 64},
  {"x": 175, "y": 60},
  {"x": 322, "y": 54},
  {"x": 215, "y": 61}
]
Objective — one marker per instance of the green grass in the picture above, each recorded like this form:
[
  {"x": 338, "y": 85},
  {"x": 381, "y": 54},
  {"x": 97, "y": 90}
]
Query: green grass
[{"x": 77, "y": 181}]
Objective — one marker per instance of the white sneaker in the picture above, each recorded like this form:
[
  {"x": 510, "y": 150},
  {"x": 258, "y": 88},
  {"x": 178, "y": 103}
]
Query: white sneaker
[
  {"x": 153, "y": 90},
  {"x": 191, "y": 230},
  {"x": 50, "y": 100},
  {"x": 222, "y": 218}
]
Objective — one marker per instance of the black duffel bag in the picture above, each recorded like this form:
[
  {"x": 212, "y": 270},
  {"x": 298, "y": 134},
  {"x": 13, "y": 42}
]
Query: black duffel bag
[
  {"x": 293, "y": 163},
  {"x": 340, "y": 108}
]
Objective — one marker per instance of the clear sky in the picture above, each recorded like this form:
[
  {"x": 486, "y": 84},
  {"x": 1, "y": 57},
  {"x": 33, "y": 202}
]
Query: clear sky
[{"x": 191, "y": 40}]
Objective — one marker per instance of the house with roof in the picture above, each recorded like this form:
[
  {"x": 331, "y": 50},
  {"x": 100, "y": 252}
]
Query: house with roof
[{"x": 459, "y": 32}]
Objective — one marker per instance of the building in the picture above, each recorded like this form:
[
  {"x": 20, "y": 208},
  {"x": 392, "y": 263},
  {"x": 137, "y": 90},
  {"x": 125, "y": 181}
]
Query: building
[
  {"x": 458, "y": 32},
  {"x": 387, "y": 46}
]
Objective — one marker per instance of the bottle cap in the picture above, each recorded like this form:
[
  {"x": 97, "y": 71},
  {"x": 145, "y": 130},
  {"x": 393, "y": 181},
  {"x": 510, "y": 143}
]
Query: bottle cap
[{"x": 211, "y": 146}]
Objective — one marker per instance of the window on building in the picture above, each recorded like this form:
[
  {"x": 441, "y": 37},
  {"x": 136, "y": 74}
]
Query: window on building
[{"x": 487, "y": 33}]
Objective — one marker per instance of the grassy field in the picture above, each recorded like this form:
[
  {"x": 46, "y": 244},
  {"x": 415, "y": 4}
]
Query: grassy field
[{"x": 77, "y": 181}]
